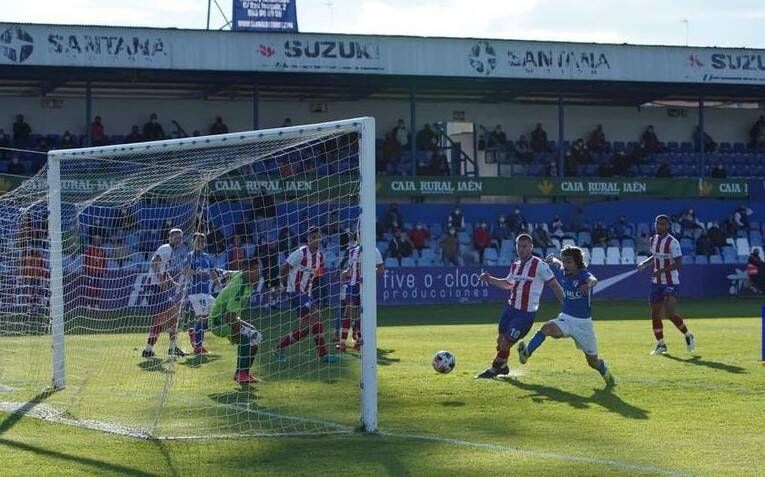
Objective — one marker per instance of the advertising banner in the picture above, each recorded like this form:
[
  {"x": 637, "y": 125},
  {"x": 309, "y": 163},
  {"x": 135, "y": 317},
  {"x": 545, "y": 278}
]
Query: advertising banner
[{"x": 265, "y": 15}]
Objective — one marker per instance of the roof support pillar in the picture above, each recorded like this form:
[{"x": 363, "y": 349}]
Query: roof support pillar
[
  {"x": 88, "y": 113},
  {"x": 700, "y": 143},
  {"x": 412, "y": 126},
  {"x": 561, "y": 148},
  {"x": 255, "y": 107}
]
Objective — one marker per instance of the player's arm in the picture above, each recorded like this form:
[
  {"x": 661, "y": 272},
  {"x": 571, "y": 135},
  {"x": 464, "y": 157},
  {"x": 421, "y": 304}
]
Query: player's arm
[
  {"x": 284, "y": 272},
  {"x": 502, "y": 283},
  {"x": 674, "y": 264},
  {"x": 556, "y": 288},
  {"x": 162, "y": 277},
  {"x": 214, "y": 276},
  {"x": 589, "y": 284}
]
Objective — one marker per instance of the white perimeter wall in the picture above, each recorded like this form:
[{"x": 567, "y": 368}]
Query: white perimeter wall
[{"x": 620, "y": 124}]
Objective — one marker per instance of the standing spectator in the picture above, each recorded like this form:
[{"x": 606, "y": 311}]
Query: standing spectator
[
  {"x": 97, "y": 134},
  {"x": 523, "y": 150},
  {"x": 426, "y": 139},
  {"x": 481, "y": 239},
  {"x": 717, "y": 236},
  {"x": 95, "y": 270},
  {"x": 67, "y": 141},
  {"x": 557, "y": 227},
  {"x": 16, "y": 167},
  {"x": 237, "y": 254},
  {"x": 400, "y": 134},
  {"x": 419, "y": 237},
  {"x": 5, "y": 143},
  {"x": 399, "y": 247},
  {"x": 152, "y": 130},
  {"x": 709, "y": 144},
  {"x": 497, "y": 143},
  {"x": 218, "y": 127},
  {"x": 539, "y": 139},
  {"x": 579, "y": 221},
  {"x": 391, "y": 154},
  {"x": 718, "y": 172},
  {"x": 450, "y": 248},
  {"x": 690, "y": 225},
  {"x": 650, "y": 140},
  {"x": 597, "y": 142},
  {"x": 502, "y": 230},
  {"x": 134, "y": 136},
  {"x": 741, "y": 218},
  {"x": 704, "y": 245},
  {"x": 456, "y": 220},
  {"x": 21, "y": 132},
  {"x": 757, "y": 134},
  {"x": 621, "y": 229},
  {"x": 393, "y": 219},
  {"x": 517, "y": 222},
  {"x": 541, "y": 237},
  {"x": 599, "y": 234}
]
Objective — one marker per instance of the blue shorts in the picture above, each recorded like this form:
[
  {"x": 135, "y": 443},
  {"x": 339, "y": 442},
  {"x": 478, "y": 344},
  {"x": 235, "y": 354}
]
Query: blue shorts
[
  {"x": 660, "y": 292},
  {"x": 353, "y": 294},
  {"x": 514, "y": 323},
  {"x": 302, "y": 303}
]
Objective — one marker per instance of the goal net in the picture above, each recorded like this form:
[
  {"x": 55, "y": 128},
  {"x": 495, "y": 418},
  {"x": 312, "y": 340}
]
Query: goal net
[{"x": 196, "y": 287}]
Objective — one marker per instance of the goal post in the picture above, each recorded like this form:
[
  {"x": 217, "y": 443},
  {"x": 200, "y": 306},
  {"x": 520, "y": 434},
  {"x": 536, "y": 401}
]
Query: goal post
[{"x": 335, "y": 162}]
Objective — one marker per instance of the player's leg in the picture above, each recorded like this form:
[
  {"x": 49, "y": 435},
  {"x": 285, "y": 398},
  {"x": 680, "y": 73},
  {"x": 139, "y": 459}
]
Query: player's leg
[
  {"x": 513, "y": 325},
  {"x": 583, "y": 334},
  {"x": 172, "y": 314},
  {"x": 670, "y": 310},
  {"x": 154, "y": 297},
  {"x": 552, "y": 329},
  {"x": 302, "y": 304},
  {"x": 248, "y": 341},
  {"x": 599, "y": 365},
  {"x": 656, "y": 303},
  {"x": 339, "y": 316}
]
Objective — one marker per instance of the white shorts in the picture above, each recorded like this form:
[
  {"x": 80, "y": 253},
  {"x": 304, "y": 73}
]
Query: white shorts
[
  {"x": 343, "y": 292},
  {"x": 202, "y": 303},
  {"x": 580, "y": 330}
]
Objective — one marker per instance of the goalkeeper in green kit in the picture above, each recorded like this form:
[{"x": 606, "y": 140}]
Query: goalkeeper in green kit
[{"x": 225, "y": 318}]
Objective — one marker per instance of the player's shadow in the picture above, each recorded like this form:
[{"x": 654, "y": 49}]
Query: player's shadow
[
  {"x": 153, "y": 364},
  {"x": 244, "y": 396},
  {"x": 728, "y": 368},
  {"x": 602, "y": 397},
  {"x": 384, "y": 359},
  {"x": 198, "y": 360},
  {"x": 453, "y": 403}
]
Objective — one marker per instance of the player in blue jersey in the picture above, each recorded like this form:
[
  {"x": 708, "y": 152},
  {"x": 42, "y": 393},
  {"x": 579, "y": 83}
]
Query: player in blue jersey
[
  {"x": 575, "y": 320},
  {"x": 201, "y": 275}
]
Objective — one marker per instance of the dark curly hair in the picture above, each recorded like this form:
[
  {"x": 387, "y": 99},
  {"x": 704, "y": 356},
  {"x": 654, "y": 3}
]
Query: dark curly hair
[{"x": 576, "y": 254}]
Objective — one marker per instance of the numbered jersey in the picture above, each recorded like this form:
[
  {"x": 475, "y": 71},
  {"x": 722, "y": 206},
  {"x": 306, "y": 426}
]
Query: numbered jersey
[
  {"x": 664, "y": 251},
  {"x": 527, "y": 280},
  {"x": 304, "y": 267},
  {"x": 200, "y": 265}
]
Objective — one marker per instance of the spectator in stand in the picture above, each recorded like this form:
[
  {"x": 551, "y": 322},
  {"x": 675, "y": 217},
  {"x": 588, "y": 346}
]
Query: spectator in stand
[
  {"x": 120, "y": 252},
  {"x": 97, "y": 133},
  {"x": 622, "y": 163},
  {"x": 606, "y": 169},
  {"x": 456, "y": 220},
  {"x": 719, "y": 172},
  {"x": 580, "y": 152},
  {"x": 704, "y": 245},
  {"x": 552, "y": 169},
  {"x": 16, "y": 167},
  {"x": 438, "y": 165},
  {"x": 346, "y": 239},
  {"x": 709, "y": 144},
  {"x": 450, "y": 248},
  {"x": 664, "y": 170},
  {"x": 729, "y": 227},
  {"x": 717, "y": 236},
  {"x": 419, "y": 237},
  {"x": 643, "y": 245},
  {"x": 399, "y": 246},
  {"x": 42, "y": 145},
  {"x": 557, "y": 227},
  {"x": 391, "y": 154},
  {"x": 755, "y": 272},
  {"x": 517, "y": 222},
  {"x": 481, "y": 239},
  {"x": 426, "y": 139},
  {"x": 597, "y": 142},
  {"x": 393, "y": 219},
  {"x": 757, "y": 134},
  {"x": 236, "y": 254},
  {"x": 152, "y": 130},
  {"x": 332, "y": 224},
  {"x": 570, "y": 167},
  {"x": 600, "y": 234},
  {"x": 497, "y": 143},
  {"x": 741, "y": 217},
  {"x": 690, "y": 225},
  {"x": 284, "y": 244},
  {"x": 523, "y": 150},
  {"x": 94, "y": 269},
  {"x": 218, "y": 127},
  {"x": 67, "y": 141},
  {"x": 134, "y": 136},
  {"x": 502, "y": 230},
  {"x": 5, "y": 143},
  {"x": 97, "y": 230},
  {"x": 400, "y": 134},
  {"x": 21, "y": 132},
  {"x": 579, "y": 221},
  {"x": 541, "y": 237},
  {"x": 650, "y": 141},
  {"x": 539, "y": 139},
  {"x": 621, "y": 229}
]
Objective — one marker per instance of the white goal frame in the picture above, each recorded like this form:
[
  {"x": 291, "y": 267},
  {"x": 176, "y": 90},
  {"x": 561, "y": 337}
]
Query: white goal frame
[{"x": 366, "y": 130}]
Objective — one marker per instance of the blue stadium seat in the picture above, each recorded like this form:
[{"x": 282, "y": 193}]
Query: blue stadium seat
[
  {"x": 391, "y": 263},
  {"x": 687, "y": 246},
  {"x": 702, "y": 260},
  {"x": 584, "y": 238},
  {"x": 686, "y": 147},
  {"x": 739, "y": 147},
  {"x": 687, "y": 260},
  {"x": 490, "y": 254},
  {"x": 715, "y": 259}
]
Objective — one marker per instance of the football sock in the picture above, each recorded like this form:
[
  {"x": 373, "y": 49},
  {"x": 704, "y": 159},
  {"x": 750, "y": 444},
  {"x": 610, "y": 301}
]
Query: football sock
[
  {"x": 602, "y": 367},
  {"x": 243, "y": 359},
  {"x": 536, "y": 342},
  {"x": 658, "y": 329},
  {"x": 345, "y": 326},
  {"x": 679, "y": 323},
  {"x": 292, "y": 337},
  {"x": 500, "y": 360},
  {"x": 318, "y": 338},
  {"x": 199, "y": 333}
]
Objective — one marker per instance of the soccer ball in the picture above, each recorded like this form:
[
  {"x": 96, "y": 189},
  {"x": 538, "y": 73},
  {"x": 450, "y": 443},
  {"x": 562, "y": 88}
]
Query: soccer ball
[{"x": 443, "y": 362}]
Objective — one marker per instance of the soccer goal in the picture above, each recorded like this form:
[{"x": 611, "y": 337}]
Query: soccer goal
[{"x": 197, "y": 286}]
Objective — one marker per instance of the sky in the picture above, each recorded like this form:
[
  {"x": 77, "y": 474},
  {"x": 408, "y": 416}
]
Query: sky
[{"x": 724, "y": 23}]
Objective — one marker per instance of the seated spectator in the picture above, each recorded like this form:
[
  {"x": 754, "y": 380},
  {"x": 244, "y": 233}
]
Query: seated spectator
[
  {"x": 580, "y": 153},
  {"x": 152, "y": 130},
  {"x": 97, "y": 133},
  {"x": 5, "y": 143},
  {"x": 332, "y": 223},
  {"x": 438, "y": 164},
  {"x": 391, "y": 154},
  {"x": 606, "y": 170},
  {"x": 393, "y": 219},
  {"x": 741, "y": 217},
  {"x": 126, "y": 220},
  {"x": 719, "y": 172},
  {"x": 67, "y": 141},
  {"x": 523, "y": 149},
  {"x": 42, "y": 145},
  {"x": 664, "y": 170},
  {"x": 16, "y": 167},
  {"x": 502, "y": 230},
  {"x": 287, "y": 122},
  {"x": 579, "y": 221},
  {"x": 456, "y": 220},
  {"x": 236, "y": 254},
  {"x": 757, "y": 134},
  {"x": 419, "y": 237},
  {"x": 541, "y": 237},
  {"x": 120, "y": 252},
  {"x": 600, "y": 234},
  {"x": 643, "y": 245},
  {"x": 21, "y": 132},
  {"x": 450, "y": 248},
  {"x": 539, "y": 139},
  {"x": 399, "y": 246},
  {"x": 557, "y": 227},
  {"x": 134, "y": 136},
  {"x": 717, "y": 236},
  {"x": 650, "y": 141},
  {"x": 597, "y": 142},
  {"x": 218, "y": 127},
  {"x": 691, "y": 226},
  {"x": 709, "y": 144},
  {"x": 400, "y": 134},
  {"x": 622, "y": 164},
  {"x": 517, "y": 222},
  {"x": 284, "y": 242},
  {"x": 497, "y": 144},
  {"x": 704, "y": 245},
  {"x": 621, "y": 229},
  {"x": 755, "y": 272},
  {"x": 570, "y": 167},
  {"x": 481, "y": 239},
  {"x": 426, "y": 139}
]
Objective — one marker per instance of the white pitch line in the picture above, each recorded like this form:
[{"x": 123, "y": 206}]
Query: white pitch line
[{"x": 542, "y": 454}]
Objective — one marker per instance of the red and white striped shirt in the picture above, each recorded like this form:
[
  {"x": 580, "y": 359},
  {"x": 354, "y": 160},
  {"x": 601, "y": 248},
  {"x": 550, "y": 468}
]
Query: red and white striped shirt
[
  {"x": 354, "y": 263},
  {"x": 664, "y": 251},
  {"x": 304, "y": 267},
  {"x": 527, "y": 280}
]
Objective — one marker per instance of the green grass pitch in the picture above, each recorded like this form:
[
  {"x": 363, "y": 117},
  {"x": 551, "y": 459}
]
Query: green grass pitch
[{"x": 700, "y": 413}]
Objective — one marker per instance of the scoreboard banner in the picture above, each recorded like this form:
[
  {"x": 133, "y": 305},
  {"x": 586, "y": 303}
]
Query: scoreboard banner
[{"x": 269, "y": 51}]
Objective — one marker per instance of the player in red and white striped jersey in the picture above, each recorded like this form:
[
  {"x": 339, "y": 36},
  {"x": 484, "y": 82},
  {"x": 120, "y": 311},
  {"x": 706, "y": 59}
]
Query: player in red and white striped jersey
[
  {"x": 300, "y": 270},
  {"x": 666, "y": 258},
  {"x": 526, "y": 280}
]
